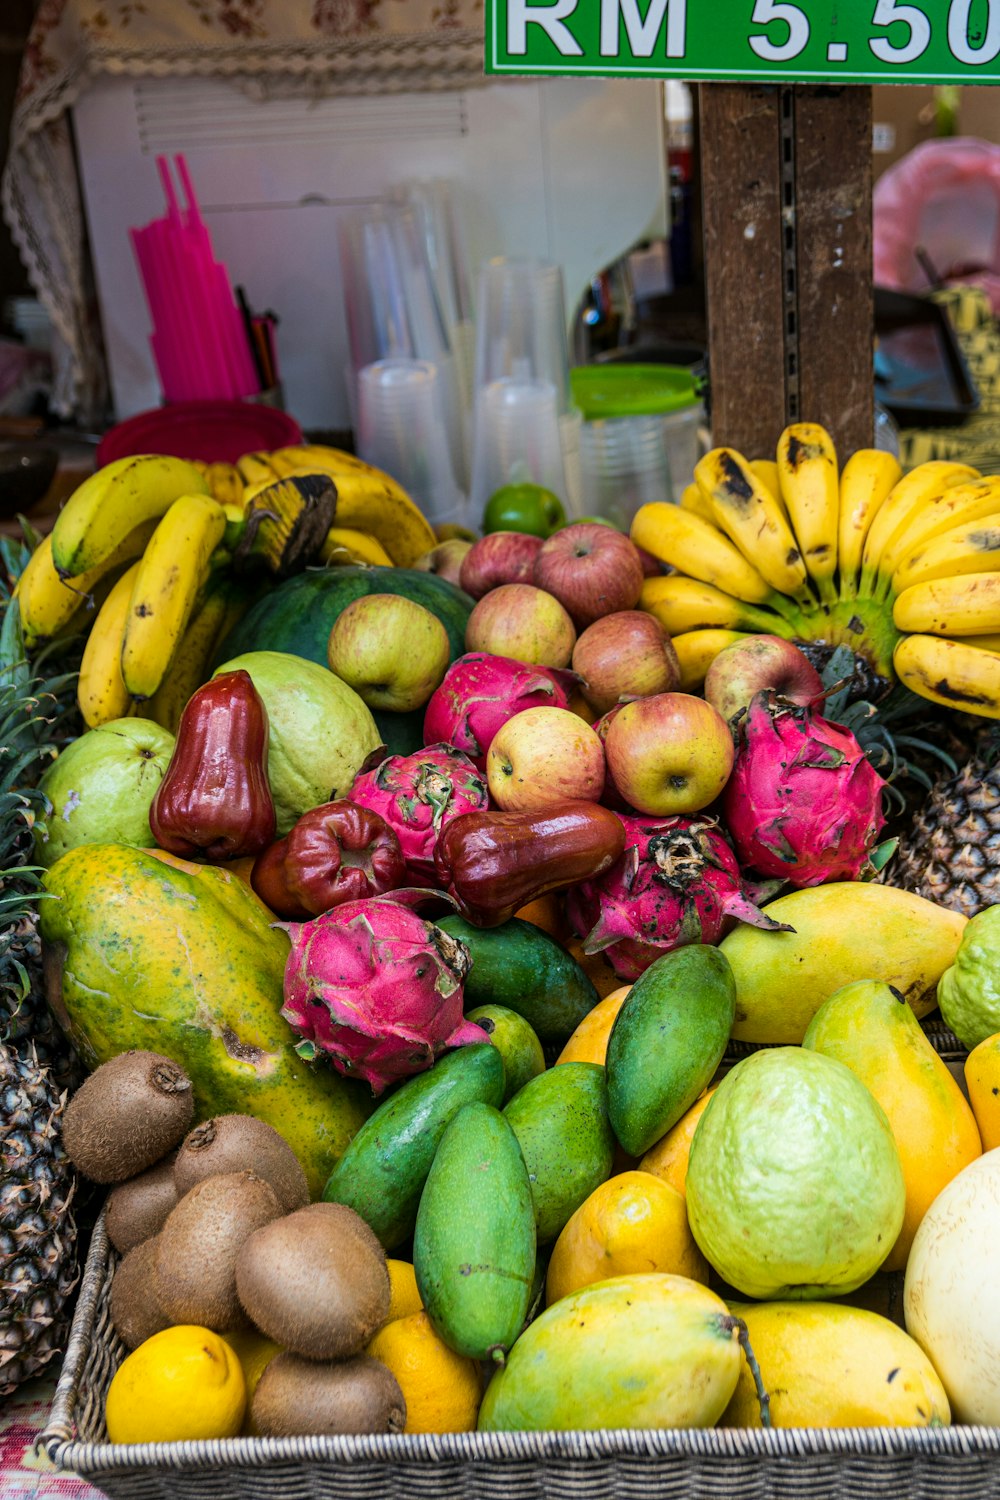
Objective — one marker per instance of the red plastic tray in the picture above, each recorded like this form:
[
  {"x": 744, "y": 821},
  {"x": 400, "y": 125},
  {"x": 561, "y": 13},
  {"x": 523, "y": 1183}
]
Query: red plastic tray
[{"x": 217, "y": 432}]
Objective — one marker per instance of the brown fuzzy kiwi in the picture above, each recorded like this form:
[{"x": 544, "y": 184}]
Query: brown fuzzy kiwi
[
  {"x": 241, "y": 1143},
  {"x": 135, "y": 1310},
  {"x": 315, "y": 1281},
  {"x": 131, "y": 1111},
  {"x": 138, "y": 1208},
  {"x": 195, "y": 1264},
  {"x": 300, "y": 1398}
]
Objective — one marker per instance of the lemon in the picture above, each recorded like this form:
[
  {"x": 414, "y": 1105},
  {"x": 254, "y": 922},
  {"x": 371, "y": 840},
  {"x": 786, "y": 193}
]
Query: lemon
[
  {"x": 403, "y": 1295},
  {"x": 182, "y": 1384},
  {"x": 442, "y": 1388}
]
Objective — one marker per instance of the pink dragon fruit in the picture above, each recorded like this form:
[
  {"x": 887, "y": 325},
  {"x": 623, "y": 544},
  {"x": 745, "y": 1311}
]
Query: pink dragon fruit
[
  {"x": 480, "y": 693},
  {"x": 418, "y": 795},
  {"x": 803, "y": 803},
  {"x": 676, "y": 883},
  {"x": 377, "y": 989}
]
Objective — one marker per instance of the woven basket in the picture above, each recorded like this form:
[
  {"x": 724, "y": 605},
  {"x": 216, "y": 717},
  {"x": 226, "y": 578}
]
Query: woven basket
[{"x": 956, "y": 1463}]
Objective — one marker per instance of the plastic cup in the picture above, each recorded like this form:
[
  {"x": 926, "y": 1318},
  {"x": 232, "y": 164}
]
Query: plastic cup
[
  {"x": 402, "y": 429},
  {"x": 623, "y": 464},
  {"x": 516, "y": 439},
  {"x": 521, "y": 326}
]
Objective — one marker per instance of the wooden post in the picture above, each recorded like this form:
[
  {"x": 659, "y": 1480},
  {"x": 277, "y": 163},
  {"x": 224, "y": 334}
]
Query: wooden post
[{"x": 786, "y": 184}]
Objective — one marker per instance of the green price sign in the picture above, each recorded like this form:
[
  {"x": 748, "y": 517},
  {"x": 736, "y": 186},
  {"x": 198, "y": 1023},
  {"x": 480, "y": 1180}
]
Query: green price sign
[{"x": 830, "y": 41}]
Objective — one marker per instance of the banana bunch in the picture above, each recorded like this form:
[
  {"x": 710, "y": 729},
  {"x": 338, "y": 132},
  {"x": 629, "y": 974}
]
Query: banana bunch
[{"x": 905, "y": 569}]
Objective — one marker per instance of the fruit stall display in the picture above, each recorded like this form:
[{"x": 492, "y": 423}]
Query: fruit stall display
[{"x": 506, "y": 968}]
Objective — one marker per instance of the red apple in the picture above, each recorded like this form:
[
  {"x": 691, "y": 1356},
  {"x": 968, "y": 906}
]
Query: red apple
[
  {"x": 625, "y": 653},
  {"x": 501, "y": 557},
  {"x": 523, "y": 622},
  {"x": 592, "y": 570},
  {"x": 445, "y": 560},
  {"x": 651, "y": 566},
  {"x": 611, "y": 797},
  {"x": 754, "y": 665},
  {"x": 541, "y": 757},
  {"x": 669, "y": 754}
]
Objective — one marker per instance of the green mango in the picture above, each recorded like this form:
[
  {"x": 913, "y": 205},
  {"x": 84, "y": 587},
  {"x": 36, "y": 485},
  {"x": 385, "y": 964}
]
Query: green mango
[
  {"x": 642, "y": 1351},
  {"x": 512, "y": 1036},
  {"x": 382, "y": 1173},
  {"x": 561, "y": 1122},
  {"x": 520, "y": 966},
  {"x": 143, "y": 950},
  {"x": 474, "y": 1243},
  {"x": 667, "y": 1041}
]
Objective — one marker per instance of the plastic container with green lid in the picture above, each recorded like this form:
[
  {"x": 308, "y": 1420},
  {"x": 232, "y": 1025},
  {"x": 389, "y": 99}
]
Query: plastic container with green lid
[{"x": 640, "y": 436}]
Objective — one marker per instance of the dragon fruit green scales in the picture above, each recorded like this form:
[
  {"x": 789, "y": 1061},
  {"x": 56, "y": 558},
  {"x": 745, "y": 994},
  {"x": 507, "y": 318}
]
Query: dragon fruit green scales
[
  {"x": 803, "y": 802},
  {"x": 418, "y": 795},
  {"x": 377, "y": 988}
]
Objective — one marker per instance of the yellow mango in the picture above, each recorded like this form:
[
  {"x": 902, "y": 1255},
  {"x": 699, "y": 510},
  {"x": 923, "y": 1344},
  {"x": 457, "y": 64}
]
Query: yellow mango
[
  {"x": 633, "y": 1222},
  {"x": 843, "y": 932},
  {"x": 982, "y": 1079},
  {"x": 870, "y": 1029},
  {"x": 826, "y": 1365},
  {"x": 589, "y": 1042},
  {"x": 642, "y": 1351},
  {"x": 668, "y": 1159},
  {"x": 145, "y": 950}
]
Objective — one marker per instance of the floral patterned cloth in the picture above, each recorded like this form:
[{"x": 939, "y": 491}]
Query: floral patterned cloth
[
  {"x": 269, "y": 46},
  {"x": 25, "y": 1474}
]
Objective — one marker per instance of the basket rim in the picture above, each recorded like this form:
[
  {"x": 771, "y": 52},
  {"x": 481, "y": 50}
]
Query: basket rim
[{"x": 67, "y": 1452}]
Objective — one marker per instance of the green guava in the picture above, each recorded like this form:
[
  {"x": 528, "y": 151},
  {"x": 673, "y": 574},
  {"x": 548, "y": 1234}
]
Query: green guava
[
  {"x": 321, "y": 733},
  {"x": 969, "y": 992},
  {"x": 99, "y": 788},
  {"x": 794, "y": 1184}
]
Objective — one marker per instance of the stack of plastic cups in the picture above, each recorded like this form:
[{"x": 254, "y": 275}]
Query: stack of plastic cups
[
  {"x": 401, "y": 429},
  {"x": 624, "y": 464},
  {"x": 393, "y": 312},
  {"x": 522, "y": 364}
]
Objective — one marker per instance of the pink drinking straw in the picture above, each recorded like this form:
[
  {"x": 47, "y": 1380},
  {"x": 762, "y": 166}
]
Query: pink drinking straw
[{"x": 234, "y": 349}]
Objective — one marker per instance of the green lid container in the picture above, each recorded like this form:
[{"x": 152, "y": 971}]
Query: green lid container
[{"x": 620, "y": 390}]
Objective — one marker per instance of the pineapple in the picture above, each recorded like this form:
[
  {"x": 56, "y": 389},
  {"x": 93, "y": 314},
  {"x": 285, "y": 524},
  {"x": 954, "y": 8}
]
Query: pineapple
[
  {"x": 951, "y": 853},
  {"x": 38, "y": 1262}
]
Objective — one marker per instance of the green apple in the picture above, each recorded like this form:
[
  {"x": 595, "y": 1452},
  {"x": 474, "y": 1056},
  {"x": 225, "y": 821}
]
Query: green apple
[
  {"x": 524, "y": 507},
  {"x": 392, "y": 651},
  {"x": 100, "y": 787}
]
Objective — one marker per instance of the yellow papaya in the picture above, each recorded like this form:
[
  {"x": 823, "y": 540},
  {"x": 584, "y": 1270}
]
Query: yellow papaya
[{"x": 145, "y": 950}]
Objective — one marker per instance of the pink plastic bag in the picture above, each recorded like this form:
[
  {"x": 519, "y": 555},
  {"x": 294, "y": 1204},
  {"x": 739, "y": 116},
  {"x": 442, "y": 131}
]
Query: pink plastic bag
[{"x": 943, "y": 196}]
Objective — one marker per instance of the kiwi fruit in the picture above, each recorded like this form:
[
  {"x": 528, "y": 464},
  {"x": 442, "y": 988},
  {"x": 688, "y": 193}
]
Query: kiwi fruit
[
  {"x": 241, "y": 1143},
  {"x": 300, "y": 1398},
  {"x": 194, "y": 1270},
  {"x": 138, "y": 1208},
  {"x": 315, "y": 1281},
  {"x": 136, "y": 1313},
  {"x": 131, "y": 1111}
]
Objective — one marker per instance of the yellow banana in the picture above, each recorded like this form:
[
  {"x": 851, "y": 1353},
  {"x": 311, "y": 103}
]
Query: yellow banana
[
  {"x": 316, "y": 456},
  {"x": 866, "y": 481},
  {"x": 962, "y": 503},
  {"x": 953, "y": 673},
  {"x": 685, "y": 604},
  {"x": 766, "y": 471},
  {"x": 950, "y": 606},
  {"x": 99, "y": 515},
  {"x": 285, "y": 522},
  {"x": 905, "y": 501},
  {"x": 807, "y": 473},
  {"x": 697, "y": 548},
  {"x": 984, "y": 642},
  {"x": 751, "y": 517},
  {"x": 100, "y": 690},
  {"x": 256, "y": 468},
  {"x": 344, "y": 545},
  {"x": 694, "y": 499},
  {"x": 223, "y": 607},
  {"x": 48, "y": 603},
  {"x": 225, "y": 483},
  {"x": 172, "y": 573},
  {"x": 973, "y": 547},
  {"x": 696, "y": 651},
  {"x": 368, "y": 499}
]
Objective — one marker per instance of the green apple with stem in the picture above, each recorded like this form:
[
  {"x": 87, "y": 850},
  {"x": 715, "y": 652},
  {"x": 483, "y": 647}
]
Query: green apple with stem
[{"x": 392, "y": 651}]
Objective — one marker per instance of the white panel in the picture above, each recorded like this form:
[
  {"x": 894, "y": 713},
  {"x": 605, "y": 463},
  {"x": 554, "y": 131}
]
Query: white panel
[{"x": 568, "y": 170}]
